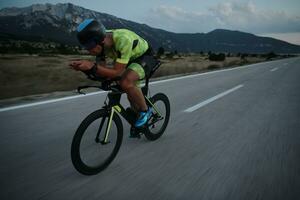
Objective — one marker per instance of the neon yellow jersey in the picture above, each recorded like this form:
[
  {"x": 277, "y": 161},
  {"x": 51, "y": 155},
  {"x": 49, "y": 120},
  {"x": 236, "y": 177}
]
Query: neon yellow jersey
[{"x": 127, "y": 46}]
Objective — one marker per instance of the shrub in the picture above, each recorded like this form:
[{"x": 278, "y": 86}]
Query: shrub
[
  {"x": 216, "y": 57},
  {"x": 271, "y": 55},
  {"x": 160, "y": 51},
  {"x": 243, "y": 56},
  {"x": 170, "y": 55},
  {"x": 212, "y": 67}
]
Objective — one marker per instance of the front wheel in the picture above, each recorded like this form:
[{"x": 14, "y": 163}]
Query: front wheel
[
  {"x": 89, "y": 152},
  {"x": 160, "y": 118}
]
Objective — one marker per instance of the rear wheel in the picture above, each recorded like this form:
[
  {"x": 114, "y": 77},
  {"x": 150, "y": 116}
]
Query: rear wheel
[
  {"x": 90, "y": 155},
  {"x": 160, "y": 118}
]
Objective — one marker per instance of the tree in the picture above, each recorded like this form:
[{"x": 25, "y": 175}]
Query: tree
[
  {"x": 160, "y": 51},
  {"x": 243, "y": 56},
  {"x": 271, "y": 55},
  {"x": 216, "y": 57}
]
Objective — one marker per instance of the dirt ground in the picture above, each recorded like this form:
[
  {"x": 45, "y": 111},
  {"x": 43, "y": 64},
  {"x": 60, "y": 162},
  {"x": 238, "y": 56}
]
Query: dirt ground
[{"x": 23, "y": 75}]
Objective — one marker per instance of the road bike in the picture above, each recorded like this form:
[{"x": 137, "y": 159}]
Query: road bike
[{"x": 99, "y": 136}]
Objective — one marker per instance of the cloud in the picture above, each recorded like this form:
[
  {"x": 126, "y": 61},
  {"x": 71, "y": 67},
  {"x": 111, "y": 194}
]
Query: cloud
[
  {"x": 228, "y": 15},
  {"x": 293, "y": 38},
  {"x": 176, "y": 19},
  {"x": 247, "y": 17}
]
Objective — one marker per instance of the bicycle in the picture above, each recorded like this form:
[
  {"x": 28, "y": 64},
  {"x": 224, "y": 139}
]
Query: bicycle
[{"x": 84, "y": 158}]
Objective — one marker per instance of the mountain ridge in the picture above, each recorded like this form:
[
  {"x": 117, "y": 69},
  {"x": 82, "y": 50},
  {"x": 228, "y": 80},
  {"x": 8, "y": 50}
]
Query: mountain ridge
[{"x": 37, "y": 21}]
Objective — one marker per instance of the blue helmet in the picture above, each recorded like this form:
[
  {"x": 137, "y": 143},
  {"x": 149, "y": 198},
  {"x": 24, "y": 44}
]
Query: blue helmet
[{"x": 90, "y": 31}]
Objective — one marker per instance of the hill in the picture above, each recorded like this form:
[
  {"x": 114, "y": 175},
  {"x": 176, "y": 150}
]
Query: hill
[{"x": 57, "y": 23}]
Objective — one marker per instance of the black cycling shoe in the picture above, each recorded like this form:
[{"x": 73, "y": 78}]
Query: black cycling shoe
[{"x": 134, "y": 132}]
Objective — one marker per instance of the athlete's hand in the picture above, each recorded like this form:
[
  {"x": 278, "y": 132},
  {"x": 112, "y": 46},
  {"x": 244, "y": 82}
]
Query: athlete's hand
[{"x": 81, "y": 65}]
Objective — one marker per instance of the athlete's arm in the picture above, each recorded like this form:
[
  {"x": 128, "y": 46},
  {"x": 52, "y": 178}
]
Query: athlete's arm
[{"x": 117, "y": 70}]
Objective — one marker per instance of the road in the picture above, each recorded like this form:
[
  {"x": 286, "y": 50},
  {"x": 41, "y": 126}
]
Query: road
[{"x": 233, "y": 134}]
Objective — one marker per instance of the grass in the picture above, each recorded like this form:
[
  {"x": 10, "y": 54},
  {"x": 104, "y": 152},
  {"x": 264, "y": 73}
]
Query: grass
[
  {"x": 199, "y": 63},
  {"x": 22, "y": 75}
]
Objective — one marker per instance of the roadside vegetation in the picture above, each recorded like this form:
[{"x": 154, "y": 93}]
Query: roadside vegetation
[{"x": 48, "y": 71}]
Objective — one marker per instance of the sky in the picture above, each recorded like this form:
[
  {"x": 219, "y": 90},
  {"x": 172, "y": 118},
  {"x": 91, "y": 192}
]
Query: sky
[{"x": 275, "y": 18}]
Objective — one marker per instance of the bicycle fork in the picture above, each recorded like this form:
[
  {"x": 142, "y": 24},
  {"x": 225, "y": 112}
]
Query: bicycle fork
[{"x": 108, "y": 127}]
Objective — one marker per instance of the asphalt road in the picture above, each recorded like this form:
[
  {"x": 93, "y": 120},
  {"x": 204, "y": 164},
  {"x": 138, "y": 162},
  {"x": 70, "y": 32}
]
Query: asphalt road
[{"x": 233, "y": 134}]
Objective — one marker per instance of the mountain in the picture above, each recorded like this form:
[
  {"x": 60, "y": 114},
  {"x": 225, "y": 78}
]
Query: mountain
[{"x": 48, "y": 22}]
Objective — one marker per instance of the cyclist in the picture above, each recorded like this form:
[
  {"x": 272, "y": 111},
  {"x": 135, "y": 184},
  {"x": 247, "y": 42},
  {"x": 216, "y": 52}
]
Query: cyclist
[{"x": 127, "y": 49}]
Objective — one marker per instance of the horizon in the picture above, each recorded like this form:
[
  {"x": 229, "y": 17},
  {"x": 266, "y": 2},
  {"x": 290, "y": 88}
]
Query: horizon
[{"x": 289, "y": 35}]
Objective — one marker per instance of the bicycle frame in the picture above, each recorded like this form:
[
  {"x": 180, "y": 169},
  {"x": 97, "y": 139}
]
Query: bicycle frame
[
  {"x": 114, "y": 106},
  {"x": 109, "y": 116}
]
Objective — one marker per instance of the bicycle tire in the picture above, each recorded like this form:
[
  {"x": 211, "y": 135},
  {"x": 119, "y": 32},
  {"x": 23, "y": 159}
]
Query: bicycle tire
[
  {"x": 148, "y": 133},
  {"x": 77, "y": 161}
]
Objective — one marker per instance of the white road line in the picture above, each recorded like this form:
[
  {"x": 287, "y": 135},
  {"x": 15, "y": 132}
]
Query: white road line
[
  {"x": 152, "y": 83},
  {"x": 273, "y": 70},
  {"x": 195, "y": 107},
  {"x": 206, "y": 73},
  {"x": 48, "y": 101}
]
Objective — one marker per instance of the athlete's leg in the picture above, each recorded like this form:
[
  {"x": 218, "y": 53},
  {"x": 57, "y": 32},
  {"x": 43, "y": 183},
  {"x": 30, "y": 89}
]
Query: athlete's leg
[{"x": 134, "y": 94}]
